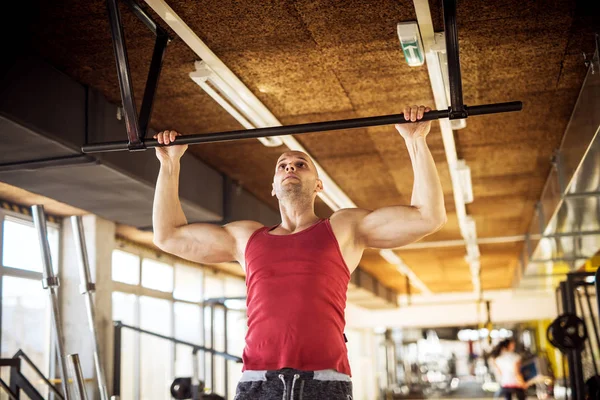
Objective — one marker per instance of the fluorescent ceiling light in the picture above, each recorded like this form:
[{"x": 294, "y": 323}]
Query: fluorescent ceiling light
[
  {"x": 410, "y": 41},
  {"x": 464, "y": 178},
  {"x": 231, "y": 101}
]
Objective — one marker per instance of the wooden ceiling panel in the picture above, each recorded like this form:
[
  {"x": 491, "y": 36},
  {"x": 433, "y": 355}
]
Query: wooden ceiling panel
[{"x": 311, "y": 61}]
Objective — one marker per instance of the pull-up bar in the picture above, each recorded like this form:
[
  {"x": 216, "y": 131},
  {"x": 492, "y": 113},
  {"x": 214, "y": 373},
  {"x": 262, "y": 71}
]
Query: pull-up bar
[
  {"x": 136, "y": 129},
  {"x": 305, "y": 128}
]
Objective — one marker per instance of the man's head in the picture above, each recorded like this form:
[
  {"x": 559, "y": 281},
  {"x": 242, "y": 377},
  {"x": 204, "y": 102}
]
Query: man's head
[{"x": 296, "y": 178}]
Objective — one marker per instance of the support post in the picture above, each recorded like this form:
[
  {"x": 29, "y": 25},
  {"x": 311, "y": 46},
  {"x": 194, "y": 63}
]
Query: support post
[
  {"x": 51, "y": 283},
  {"x": 87, "y": 288},
  {"x": 457, "y": 108},
  {"x": 125, "y": 84},
  {"x": 574, "y": 356},
  {"x": 118, "y": 331}
]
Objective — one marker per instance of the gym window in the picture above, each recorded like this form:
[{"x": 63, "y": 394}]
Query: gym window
[{"x": 24, "y": 304}]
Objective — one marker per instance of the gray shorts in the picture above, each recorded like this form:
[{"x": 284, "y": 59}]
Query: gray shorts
[{"x": 293, "y": 384}]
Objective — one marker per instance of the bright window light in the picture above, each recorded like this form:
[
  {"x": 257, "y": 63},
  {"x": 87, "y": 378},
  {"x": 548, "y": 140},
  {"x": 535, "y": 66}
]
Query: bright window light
[
  {"x": 157, "y": 275},
  {"x": 125, "y": 267},
  {"x": 21, "y": 248}
]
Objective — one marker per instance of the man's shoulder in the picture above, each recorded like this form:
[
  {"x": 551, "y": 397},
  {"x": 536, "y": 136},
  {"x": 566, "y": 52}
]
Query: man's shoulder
[
  {"x": 348, "y": 215},
  {"x": 243, "y": 227}
]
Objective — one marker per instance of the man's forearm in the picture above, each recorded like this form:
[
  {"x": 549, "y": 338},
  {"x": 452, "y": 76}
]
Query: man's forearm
[
  {"x": 167, "y": 213},
  {"x": 427, "y": 195}
]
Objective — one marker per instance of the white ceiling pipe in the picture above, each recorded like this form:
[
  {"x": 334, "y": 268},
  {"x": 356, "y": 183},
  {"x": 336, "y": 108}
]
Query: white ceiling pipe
[
  {"x": 334, "y": 197},
  {"x": 461, "y": 242},
  {"x": 436, "y": 78},
  {"x": 232, "y": 95}
]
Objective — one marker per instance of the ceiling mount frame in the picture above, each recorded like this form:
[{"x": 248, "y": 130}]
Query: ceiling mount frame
[
  {"x": 137, "y": 127},
  {"x": 457, "y": 109}
]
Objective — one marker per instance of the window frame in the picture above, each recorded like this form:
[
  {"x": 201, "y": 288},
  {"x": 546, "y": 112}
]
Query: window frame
[
  {"x": 139, "y": 291},
  {"x": 27, "y": 219}
]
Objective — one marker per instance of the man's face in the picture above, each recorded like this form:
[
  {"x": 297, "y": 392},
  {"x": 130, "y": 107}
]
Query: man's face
[{"x": 295, "y": 174}]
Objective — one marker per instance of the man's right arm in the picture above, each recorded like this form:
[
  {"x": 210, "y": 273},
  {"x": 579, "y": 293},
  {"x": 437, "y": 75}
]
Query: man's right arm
[{"x": 203, "y": 243}]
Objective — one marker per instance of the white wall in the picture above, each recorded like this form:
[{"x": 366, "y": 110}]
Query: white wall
[{"x": 458, "y": 309}]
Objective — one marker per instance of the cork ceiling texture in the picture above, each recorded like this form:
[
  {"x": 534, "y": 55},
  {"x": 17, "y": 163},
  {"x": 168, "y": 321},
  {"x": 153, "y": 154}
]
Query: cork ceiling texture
[{"x": 312, "y": 61}]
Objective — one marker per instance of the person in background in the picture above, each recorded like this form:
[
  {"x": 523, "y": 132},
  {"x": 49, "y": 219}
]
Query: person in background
[{"x": 508, "y": 369}]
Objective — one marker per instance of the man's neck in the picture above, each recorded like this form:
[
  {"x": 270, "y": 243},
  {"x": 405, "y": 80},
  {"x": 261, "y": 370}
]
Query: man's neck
[{"x": 296, "y": 216}]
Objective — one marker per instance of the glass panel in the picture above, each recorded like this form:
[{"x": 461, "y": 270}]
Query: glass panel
[
  {"x": 214, "y": 286},
  {"x": 219, "y": 344},
  {"x": 26, "y": 325},
  {"x": 236, "y": 332},
  {"x": 188, "y": 283},
  {"x": 208, "y": 343},
  {"x": 187, "y": 327},
  {"x": 157, "y": 275},
  {"x": 125, "y": 267},
  {"x": 124, "y": 307},
  {"x": 156, "y": 354},
  {"x": 21, "y": 248},
  {"x": 235, "y": 287}
]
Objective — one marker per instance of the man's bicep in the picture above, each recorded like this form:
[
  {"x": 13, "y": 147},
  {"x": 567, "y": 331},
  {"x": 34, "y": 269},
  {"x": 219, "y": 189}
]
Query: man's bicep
[
  {"x": 392, "y": 227},
  {"x": 203, "y": 243}
]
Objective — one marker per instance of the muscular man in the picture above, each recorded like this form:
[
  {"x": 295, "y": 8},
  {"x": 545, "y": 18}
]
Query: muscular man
[{"x": 297, "y": 272}]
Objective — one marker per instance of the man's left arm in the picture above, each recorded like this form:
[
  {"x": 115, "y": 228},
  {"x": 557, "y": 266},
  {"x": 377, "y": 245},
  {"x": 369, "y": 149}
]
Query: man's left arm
[{"x": 395, "y": 226}]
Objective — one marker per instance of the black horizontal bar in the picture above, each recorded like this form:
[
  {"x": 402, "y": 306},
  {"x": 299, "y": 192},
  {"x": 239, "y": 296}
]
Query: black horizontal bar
[
  {"x": 182, "y": 342},
  {"x": 53, "y": 162},
  {"x": 304, "y": 128},
  {"x": 10, "y": 362}
]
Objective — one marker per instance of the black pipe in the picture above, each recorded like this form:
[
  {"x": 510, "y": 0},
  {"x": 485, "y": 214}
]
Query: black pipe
[
  {"x": 152, "y": 82},
  {"x": 182, "y": 342},
  {"x": 117, "y": 359},
  {"x": 574, "y": 356},
  {"x": 21, "y": 355},
  {"x": 17, "y": 379},
  {"x": 212, "y": 344},
  {"x": 226, "y": 372},
  {"x": 304, "y": 128},
  {"x": 597, "y": 283},
  {"x": 591, "y": 348},
  {"x": 6, "y": 388},
  {"x": 452, "y": 52},
  {"x": 52, "y": 162}
]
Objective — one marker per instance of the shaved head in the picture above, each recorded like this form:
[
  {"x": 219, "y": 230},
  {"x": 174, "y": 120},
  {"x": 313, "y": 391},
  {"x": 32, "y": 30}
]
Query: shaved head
[
  {"x": 296, "y": 177},
  {"x": 298, "y": 154}
]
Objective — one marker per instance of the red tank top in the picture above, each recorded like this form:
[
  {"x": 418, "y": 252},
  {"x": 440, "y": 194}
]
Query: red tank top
[{"x": 297, "y": 287}]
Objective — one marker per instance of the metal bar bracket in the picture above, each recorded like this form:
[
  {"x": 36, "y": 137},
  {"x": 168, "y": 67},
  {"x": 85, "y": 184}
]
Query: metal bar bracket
[{"x": 137, "y": 127}]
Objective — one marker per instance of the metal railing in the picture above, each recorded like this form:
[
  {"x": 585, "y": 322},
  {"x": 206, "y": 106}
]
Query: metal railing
[{"x": 118, "y": 332}]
